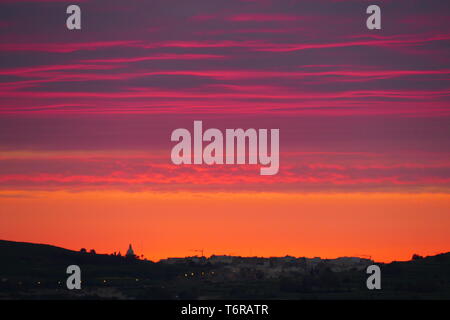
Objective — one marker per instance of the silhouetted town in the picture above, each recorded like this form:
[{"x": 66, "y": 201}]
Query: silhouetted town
[
  {"x": 36, "y": 271},
  {"x": 273, "y": 267}
]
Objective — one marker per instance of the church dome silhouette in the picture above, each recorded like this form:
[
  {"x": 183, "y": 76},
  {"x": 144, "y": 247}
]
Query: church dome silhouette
[{"x": 130, "y": 252}]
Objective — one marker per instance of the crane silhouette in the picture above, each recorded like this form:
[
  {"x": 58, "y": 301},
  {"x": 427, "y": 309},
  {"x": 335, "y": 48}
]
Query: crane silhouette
[{"x": 198, "y": 250}]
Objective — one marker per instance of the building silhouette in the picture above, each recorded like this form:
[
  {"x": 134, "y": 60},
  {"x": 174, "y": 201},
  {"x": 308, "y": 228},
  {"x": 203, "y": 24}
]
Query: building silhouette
[{"x": 130, "y": 252}]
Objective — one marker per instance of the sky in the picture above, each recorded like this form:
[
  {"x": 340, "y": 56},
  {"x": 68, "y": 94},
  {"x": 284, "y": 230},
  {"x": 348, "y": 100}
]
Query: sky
[{"x": 86, "y": 117}]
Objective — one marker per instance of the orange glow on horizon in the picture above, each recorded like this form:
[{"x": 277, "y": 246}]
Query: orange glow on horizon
[{"x": 386, "y": 226}]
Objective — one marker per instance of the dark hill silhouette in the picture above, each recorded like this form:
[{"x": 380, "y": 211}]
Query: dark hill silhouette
[
  {"x": 38, "y": 271},
  {"x": 50, "y": 262}
]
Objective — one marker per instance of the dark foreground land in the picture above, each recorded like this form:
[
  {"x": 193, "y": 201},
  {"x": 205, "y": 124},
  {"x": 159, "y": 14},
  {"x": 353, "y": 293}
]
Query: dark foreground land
[{"x": 35, "y": 271}]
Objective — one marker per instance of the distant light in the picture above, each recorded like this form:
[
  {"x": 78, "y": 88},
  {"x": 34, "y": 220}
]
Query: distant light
[
  {"x": 38, "y": 282},
  {"x": 192, "y": 274},
  {"x": 185, "y": 274},
  {"x": 137, "y": 279},
  {"x": 104, "y": 281}
]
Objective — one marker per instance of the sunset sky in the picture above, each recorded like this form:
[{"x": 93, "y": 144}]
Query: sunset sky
[{"x": 364, "y": 118}]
